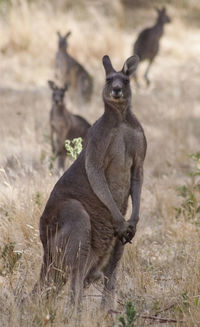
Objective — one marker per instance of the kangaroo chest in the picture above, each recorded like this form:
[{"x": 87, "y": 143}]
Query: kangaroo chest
[
  {"x": 118, "y": 162},
  {"x": 59, "y": 121}
]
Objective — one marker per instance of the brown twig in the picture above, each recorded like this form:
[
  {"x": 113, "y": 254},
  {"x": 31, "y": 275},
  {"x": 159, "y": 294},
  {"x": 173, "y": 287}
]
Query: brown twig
[
  {"x": 165, "y": 309},
  {"x": 92, "y": 295},
  {"x": 154, "y": 318},
  {"x": 162, "y": 320}
]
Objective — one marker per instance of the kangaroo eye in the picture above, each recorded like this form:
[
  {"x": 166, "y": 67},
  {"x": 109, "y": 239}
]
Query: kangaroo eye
[
  {"x": 108, "y": 80},
  {"x": 126, "y": 81}
]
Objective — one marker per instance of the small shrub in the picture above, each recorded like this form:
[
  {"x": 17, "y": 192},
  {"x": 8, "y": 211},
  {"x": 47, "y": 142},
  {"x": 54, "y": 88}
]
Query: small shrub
[
  {"x": 74, "y": 147},
  {"x": 38, "y": 199},
  {"x": 129, "y": 317}
]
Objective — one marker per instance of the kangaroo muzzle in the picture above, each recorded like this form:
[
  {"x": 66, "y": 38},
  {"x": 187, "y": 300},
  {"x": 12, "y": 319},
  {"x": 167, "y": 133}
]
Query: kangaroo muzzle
[{"x": 116, "y": 92}]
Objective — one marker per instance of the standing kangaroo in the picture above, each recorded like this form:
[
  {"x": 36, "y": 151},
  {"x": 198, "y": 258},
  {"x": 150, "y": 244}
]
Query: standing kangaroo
[
  {"x": 147, "y": 44},
  {"x": 64, "y": 125},
  {"x": 69, "y": 71},
  {"x": 82, "y": 228}
]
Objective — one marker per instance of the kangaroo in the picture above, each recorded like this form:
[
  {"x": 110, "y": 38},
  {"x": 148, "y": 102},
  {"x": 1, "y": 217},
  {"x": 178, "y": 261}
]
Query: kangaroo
[
  {"x": 147, "y": 44},
  {"x": 64, "y": 125},
  {"x": 82, "y": 228},
  {"x": 69, "y": 71}
]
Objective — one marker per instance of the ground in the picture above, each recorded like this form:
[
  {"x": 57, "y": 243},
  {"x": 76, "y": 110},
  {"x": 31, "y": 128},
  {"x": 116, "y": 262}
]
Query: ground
[{"x": 160, "y": 270}]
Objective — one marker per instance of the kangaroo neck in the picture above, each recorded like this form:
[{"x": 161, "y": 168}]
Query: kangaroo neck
[
  {"x": 60, "y": 108},
  {"x": 159, "y": 28},
  {"x": 63, "y": 50},
  {"x": 116, "y": 111}
]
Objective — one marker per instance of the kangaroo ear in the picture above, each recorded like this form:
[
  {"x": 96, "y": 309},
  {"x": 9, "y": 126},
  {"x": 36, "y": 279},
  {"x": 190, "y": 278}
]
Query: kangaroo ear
[
  {"x": 59, "y": 35},
  {"x": 68, "y": 34},
  {"x": 52, "y": 85},
  {"x": 107, "y": 65},
  {"x": 130, "y": 65},
  {"x": 157, "y": 9}
]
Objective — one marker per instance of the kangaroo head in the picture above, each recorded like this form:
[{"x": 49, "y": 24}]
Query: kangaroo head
[
  {"x": 162, "y": 15},
  {"x": 117, "y": 86},
  {"x": 62, "y": 40},
  {"x": 58, "y": 93}
]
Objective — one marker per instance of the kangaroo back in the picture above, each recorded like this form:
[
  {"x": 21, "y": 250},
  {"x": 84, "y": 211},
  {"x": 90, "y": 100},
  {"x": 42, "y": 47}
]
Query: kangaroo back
[
  {"x": 70, "y": 71},
  {"x": 146, "y": 45}
]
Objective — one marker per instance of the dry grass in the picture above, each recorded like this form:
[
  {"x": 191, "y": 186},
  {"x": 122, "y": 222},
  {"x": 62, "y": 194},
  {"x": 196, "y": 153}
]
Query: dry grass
[{"x": 162, "y": 266}]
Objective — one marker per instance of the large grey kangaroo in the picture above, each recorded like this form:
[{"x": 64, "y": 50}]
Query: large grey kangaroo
[
  {"x": 64, "y": 125},
  {"x": 147, "y": 44},
  {"x": 82, "y": 228},
  {"x": 70, "y": 71}
]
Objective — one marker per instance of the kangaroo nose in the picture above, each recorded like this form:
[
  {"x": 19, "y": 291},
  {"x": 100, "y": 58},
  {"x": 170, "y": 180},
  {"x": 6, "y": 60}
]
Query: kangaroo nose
[
  {"x": 116, "y": 92},
  {"x": 57, "y": 99}
]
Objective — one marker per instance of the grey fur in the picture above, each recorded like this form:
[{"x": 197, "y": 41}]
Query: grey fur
[
  {"x": 64, "y": 125},
  {"x": 70, "y": 71},
  {"x": 82, "y": 228},
  {"x": 147, "y": 44}
]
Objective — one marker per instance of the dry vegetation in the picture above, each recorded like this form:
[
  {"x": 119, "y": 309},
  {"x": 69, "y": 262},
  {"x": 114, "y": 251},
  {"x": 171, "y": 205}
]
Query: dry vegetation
[{"x": 160, "y": 271}]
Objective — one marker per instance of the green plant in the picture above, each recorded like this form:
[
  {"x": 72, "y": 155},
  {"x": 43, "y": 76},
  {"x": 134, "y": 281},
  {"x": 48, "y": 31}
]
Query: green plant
[
  {"x": 196, "y": 158},
  {"x": 74, "y": 147},
  {"x": 190, "y": 207},
  {"x": 38, "y": 198},
  {"x": 185, "y": 298},
  {"x": 129, "y": 317},
  {"x": 52, "y": 159}
]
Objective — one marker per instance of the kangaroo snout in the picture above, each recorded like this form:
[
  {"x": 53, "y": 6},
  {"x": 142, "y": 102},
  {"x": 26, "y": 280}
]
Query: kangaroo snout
[
  {"x": 116, "y": 90},
  {"x": 58, "y": 100},
  {"x": 117, "y": 93}
]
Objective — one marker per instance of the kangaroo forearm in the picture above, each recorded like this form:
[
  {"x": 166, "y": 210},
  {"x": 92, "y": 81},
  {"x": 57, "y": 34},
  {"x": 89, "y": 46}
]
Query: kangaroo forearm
[
  {"x": 135, "y": 194},
  {"x": 134, "y": 220},
  {"x": 100, "y": 188},
  {"x": 106, "y": 198}
]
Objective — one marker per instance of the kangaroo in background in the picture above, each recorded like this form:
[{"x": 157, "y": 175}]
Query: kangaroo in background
[
  {"x": 82, "y": 228},
  {"x": 70, "y": 71},
  {"x": 147, "y": 44},
  {"x": 64, "y": 125}
]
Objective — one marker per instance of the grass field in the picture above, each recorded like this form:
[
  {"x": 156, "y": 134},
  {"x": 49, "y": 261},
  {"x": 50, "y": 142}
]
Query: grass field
[{"x": 160, "y": 271}]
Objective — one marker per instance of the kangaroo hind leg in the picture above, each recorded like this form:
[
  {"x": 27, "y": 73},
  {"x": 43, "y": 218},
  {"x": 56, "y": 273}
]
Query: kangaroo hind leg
[
  {"x": 67, "y": 253},
  {"x": 76, "y": 234},
  {"x": 110, "y": 272}
]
